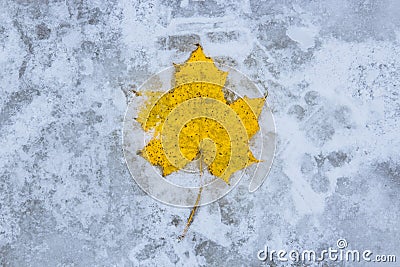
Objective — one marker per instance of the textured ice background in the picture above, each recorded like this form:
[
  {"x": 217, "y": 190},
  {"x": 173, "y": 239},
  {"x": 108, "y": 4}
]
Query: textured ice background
[{"x": 66, "y": 197}]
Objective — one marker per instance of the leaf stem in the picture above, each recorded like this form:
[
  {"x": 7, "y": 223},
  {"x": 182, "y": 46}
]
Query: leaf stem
[{"x": 196, "y": 204}]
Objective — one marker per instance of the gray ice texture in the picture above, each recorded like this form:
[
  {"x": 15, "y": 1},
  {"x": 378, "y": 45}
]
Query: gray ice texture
[{"x": 332, "y": 70}]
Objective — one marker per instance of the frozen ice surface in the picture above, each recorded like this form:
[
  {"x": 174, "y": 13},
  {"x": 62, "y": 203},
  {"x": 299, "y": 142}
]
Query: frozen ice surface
[{"x": 332, "y": 70}]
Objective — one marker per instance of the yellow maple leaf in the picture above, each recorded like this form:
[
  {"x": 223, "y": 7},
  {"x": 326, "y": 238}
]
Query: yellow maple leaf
[{"x": 195, "y": 119}]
